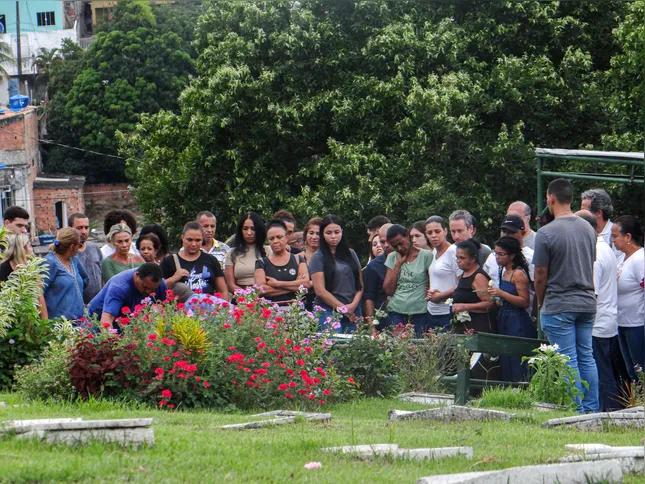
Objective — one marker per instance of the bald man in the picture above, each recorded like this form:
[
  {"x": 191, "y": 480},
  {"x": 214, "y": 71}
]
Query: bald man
[
  {"x": 523, "y": 211},
  {"x": 373, "y": 276},
  {"x": 604, "y": 336}
]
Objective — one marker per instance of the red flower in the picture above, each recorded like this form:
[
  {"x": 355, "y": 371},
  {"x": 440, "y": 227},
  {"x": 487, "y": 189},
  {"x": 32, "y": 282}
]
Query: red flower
[
  {"x": 288, "y": 341},
  {"x": 302, "y": 392},
  {"x": 170, "y": 405},
  {"x": 125, "y": 310},
  {"x": 198, "y": 378},
  {"x": 176, "y": 354},
  {"x": 321, "y": 372},
  {"x": 159, "y": 372},
  {"x": 181, "y": 306},
  {"x": 288, "y": 395},
  {"x": 206, "y": 384},
  {"x": 226, "y": 326},
  {"x": 271, "y": 352},
  {"x": 106, "y": 325},
  {"x": 218, "y": 295},
  {"x": 152, "y": 337},
  {"x": 296, "y": 348},
  {"x": 289, "y": 372},
  {"x": 260, "y": 371},
  {"x": 257, "y": 340},
  {"x": 326, "y": 392},
  {"x": 124, "y": 321},
  {"x": 300, "y": 363},
  {"x": 241, "y": 300},
  {"x": 308, "y": 349},
  {"x": 166, "y": 358},
  {"x": 311, "y": 396},
  {"x": 321, "y": 402},
  {"x": 350, "y": 379},
  {"x": 278, "y": 319},
  {"x": 283, "y": 386},
  {"x": 135, "y": 330},
  {"x": 166, "y": 393},
  {"x": 150, "y": 343},
  {"x": 162, "y": 403},
  {"x": 266, "y": 313},
  {"x": 266, "y": 364},
  {"x": 316, "y": 380},
  {"x": 292, "y": 384},
  {"x": 90, "y": 336}
]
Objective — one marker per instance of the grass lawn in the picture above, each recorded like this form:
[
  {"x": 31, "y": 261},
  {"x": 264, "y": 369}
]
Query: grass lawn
[{"x": 190, "y": 447}]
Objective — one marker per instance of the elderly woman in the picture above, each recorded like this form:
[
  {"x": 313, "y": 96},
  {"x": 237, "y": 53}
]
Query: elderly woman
[
  {"x": 120, "y": 236},
  {"x": 627, "y": 236},
  {"x": 281, "y": 273},
  {"x": 65, "y": 279}
]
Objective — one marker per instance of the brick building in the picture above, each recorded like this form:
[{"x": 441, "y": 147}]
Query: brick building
[
  {"x": 19, "y": 158},
  {"x": 55, "y": 198}
]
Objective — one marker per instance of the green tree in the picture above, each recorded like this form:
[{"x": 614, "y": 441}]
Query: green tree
[
  {"x": 129, "y": 69},
  {"x": 406, "y": 108}
]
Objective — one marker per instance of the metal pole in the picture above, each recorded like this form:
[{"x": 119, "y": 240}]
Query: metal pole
[
  {"x": 540, "y": 197},
  {"x": 18, "y": 47}
]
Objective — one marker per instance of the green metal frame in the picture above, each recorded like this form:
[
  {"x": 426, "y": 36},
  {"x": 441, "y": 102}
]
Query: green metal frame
[{"x": 634, "y": 160}]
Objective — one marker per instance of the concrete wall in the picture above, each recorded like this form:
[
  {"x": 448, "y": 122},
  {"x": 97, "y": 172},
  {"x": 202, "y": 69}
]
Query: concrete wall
[{"x": 29, "y": 10}]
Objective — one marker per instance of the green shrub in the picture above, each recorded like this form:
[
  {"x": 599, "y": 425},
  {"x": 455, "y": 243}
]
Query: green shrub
[
  {"x": 505, "y": 398},
  {"x": 48, "y": 377},
  {"x": 425, "y": 362}
]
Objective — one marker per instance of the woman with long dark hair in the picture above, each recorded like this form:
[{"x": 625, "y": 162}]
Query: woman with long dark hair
[
  {"x": 336, "y": 276},
  {"x": 418, "y": 236},
  {"x": 246, "y": 249},
  {"x": 443, "y": 272},
  {"x": 163, "y": 239},
  {"x": 513, "y": 290}
]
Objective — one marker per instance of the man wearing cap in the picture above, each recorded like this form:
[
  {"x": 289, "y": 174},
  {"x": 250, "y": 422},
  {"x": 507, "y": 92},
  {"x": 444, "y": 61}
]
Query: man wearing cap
[{"x": 513, "y": 226}]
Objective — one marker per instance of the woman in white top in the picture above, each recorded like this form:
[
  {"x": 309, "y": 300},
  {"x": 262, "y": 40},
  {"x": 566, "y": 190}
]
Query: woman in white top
[
  {"x": 628, "y": 238},
  {"x": 443, "y": 272}
]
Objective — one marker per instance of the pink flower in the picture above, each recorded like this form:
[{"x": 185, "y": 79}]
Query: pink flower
[
  {"x": 313, "y": 465},
  {"x": 343, "y": 309}
]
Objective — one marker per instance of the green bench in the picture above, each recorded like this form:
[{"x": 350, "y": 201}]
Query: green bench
[{"x": 493, "y": 344}]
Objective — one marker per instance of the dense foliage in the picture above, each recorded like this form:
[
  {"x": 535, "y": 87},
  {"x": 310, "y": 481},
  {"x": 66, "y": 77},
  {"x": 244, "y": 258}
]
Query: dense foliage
[
  {"x": 136, "y": 65},
  {"x": 405, "y": 108}
]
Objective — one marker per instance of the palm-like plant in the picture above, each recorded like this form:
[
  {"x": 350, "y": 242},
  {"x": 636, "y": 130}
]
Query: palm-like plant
[
  {"x": 46, "y": 58},
  {"x": 6, "y": 57}
]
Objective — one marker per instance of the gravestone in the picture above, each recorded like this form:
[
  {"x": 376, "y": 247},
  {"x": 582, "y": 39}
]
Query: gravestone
[
  {"x": 281, "y": 417},
  {"x": 72, "y": 431},
  {"x": 451, "y": 413},
  {"x": 598, "y": 421},
  {"x": 393, "y": 450}
]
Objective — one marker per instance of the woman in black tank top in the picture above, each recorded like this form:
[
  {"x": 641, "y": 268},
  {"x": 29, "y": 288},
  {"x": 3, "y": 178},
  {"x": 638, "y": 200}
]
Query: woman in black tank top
[
  {"x": 465, "y": 299},
  {"x": 281, "y": 273}
]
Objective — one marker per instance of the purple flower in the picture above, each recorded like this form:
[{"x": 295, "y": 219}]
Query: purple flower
[{"x": 12, "y": 341}]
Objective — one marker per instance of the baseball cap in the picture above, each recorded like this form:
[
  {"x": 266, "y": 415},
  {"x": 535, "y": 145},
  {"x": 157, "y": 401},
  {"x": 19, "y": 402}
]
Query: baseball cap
[{"x": 513, "y": 223}]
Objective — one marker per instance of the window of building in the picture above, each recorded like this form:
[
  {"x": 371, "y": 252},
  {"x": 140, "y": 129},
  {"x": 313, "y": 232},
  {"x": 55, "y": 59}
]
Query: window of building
[{"x": 46, "y": 18}]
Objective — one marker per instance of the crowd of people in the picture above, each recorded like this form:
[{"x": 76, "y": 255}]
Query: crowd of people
[{"x": 582, "y": 275}]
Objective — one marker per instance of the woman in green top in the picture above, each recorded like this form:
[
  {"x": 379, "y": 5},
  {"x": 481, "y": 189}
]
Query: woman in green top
[
  {"x": 406, "y": 280},
  {"x": 120, "y": 236}
]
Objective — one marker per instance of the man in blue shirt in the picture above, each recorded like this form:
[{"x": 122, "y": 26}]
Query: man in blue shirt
[
  {"x": 373, "y": 276},
  {"x": 128, "y": 289}
]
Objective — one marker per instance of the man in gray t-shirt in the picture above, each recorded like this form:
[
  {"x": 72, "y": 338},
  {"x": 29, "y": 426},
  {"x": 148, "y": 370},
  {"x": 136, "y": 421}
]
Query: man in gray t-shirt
[
  {"x": 565, "y": 251},
  {"x": 89, "y": 255}
]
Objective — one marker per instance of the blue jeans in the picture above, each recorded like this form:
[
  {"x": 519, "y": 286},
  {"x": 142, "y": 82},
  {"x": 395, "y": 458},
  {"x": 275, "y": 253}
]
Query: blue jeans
[
  {"x": 572, "y": 333},
  {"x": 603, "y": 348},
  {"x": 420, "y": 321},
  {"x": 326, "y": 319},
  {"x": 439, "y": 321},
  {"x": 632, "y": 346}
]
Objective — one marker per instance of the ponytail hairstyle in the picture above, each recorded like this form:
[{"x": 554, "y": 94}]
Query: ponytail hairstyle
[
  {"x": 65, "y": 238},
  {"x": 513, "y": 248},
  {"x": 343, "y": 253}
]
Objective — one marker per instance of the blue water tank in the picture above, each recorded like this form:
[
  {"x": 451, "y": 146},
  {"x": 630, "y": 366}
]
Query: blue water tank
[{"x": 18, "y": 103}]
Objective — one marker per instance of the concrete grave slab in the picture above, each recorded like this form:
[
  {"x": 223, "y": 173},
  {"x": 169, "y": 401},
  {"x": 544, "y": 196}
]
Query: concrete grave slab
[
  {"x": 631, "y": 458},
  {"x": 394, "y": 451},
  {"x": 598, "y": 421},
  {"x": 630, "y": 410},
  {"x": 451, "y": 413},
  {"x": 365, "y": 450},
  {"x": 428, "y": 398},
  {"x": 282, "y": 417},
  {"x": 583, "y": 448},
  {"x": 74, "y": 431},
  {"x": 573, "y": 473}
]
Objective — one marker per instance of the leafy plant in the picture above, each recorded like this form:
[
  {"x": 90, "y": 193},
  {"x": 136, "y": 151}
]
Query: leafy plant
[
  {"x": 48, "y": 377},
  {"x": 188, "y": 332},
  {"x": 633, "y": 392},
  {"x": 23, "y": 334},
  {"x": 553, "y": 381},
  {"x": 374, "y": 361},
  {"x": 425, "y": 362}
]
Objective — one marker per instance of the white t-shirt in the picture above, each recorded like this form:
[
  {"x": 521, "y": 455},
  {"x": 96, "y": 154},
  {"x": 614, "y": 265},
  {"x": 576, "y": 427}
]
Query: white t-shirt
[
  {"x": 443, "y": 276},
  {"x": 631, "y": 296},
  {"x": 107, "y": 250},
  {"x": 604, "y": 279}
]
